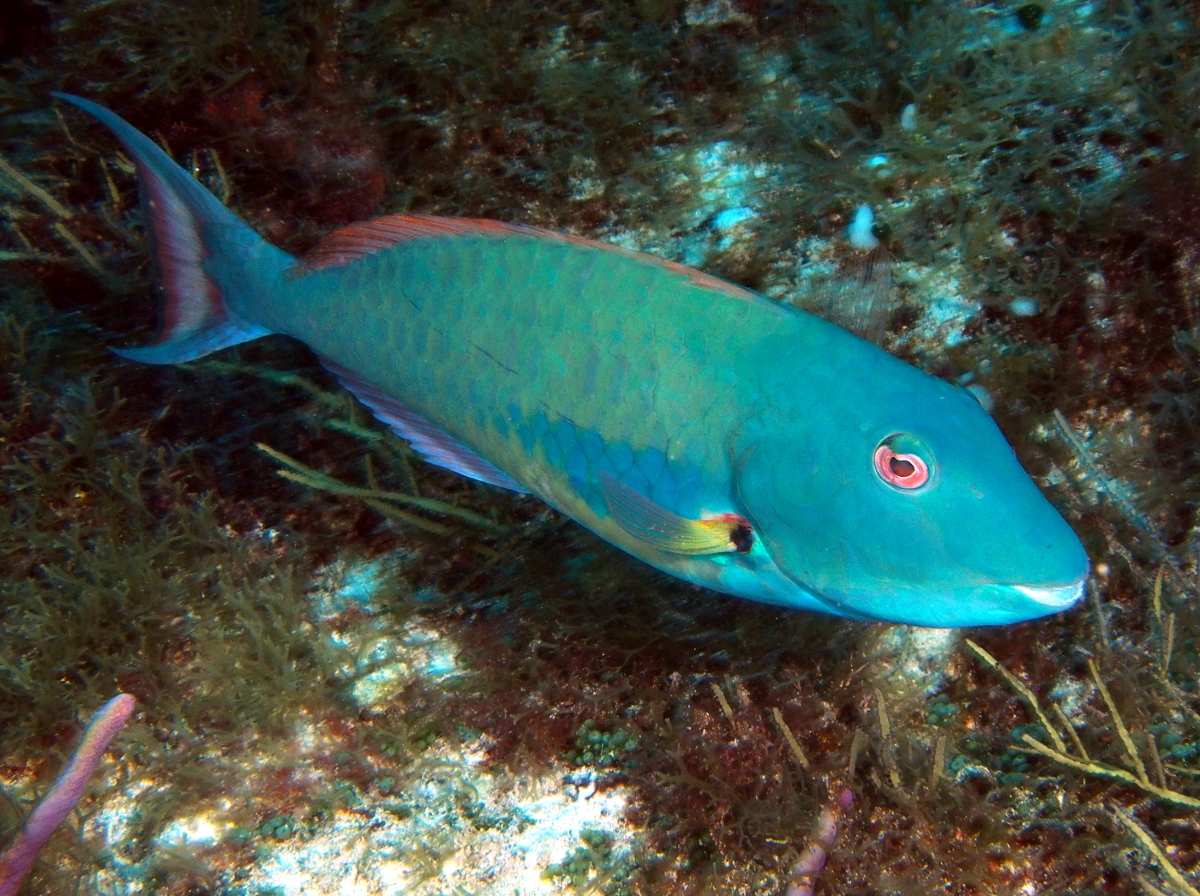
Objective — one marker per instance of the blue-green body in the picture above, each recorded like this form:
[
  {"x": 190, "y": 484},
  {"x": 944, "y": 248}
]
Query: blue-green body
[{"x": 582, "y": 374}]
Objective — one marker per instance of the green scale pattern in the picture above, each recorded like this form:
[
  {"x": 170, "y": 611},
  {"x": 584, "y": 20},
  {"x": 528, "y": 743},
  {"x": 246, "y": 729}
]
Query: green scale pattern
[{"x": 552, "y": 359}]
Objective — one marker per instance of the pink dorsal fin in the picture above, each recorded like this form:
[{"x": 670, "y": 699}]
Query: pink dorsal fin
[{"x": 368, "y": 237}]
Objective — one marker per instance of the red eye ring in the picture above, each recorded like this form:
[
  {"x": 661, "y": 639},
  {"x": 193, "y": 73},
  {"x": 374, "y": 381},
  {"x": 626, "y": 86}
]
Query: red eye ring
[{"x": 906, "y": 471}]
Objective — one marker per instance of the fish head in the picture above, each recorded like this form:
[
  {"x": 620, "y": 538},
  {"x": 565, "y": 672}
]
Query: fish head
[{"x": 902, "y": 501}]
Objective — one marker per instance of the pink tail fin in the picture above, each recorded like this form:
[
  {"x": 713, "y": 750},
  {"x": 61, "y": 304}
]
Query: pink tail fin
[{"x": 204, "y": 254}]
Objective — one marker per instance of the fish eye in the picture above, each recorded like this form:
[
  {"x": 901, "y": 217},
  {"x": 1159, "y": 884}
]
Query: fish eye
[{"x": 900, "y": 469}]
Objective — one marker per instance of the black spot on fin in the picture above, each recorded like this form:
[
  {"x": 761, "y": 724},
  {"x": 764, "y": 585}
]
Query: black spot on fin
[
  {"x": 426, "y": 439},
  {"x": 668, "y": 531}
]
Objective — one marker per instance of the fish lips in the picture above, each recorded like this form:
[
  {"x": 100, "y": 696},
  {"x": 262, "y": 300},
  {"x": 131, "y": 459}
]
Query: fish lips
[
  {"x": 1056, "y": 597},
  {"x": 1004, "y": 604}
]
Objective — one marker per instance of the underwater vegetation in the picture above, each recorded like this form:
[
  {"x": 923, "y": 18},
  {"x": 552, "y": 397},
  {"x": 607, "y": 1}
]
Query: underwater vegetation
[{"x": 370, "y": 670}]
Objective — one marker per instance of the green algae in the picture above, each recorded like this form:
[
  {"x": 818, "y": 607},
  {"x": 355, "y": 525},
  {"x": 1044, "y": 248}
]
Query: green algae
[
  {"x": 373, "y": 496},
  {"x": 594, "y": 868},
  {"x": 601, "y": 749}
]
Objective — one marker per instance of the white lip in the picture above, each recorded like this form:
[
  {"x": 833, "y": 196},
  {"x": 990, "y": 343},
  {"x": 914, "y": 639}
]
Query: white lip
[{"x": 1063, "y": 596}]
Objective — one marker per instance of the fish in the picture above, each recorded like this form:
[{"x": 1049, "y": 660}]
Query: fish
[{"x": 724, "y": 438}]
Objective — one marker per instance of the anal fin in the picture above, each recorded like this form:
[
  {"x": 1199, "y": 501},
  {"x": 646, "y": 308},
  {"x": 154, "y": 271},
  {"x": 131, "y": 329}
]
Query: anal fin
[{"x": 426, "y": 439}]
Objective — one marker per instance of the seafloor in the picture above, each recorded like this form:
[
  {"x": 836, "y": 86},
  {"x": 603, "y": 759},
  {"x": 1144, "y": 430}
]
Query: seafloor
[{"x": 341, "y": 691}]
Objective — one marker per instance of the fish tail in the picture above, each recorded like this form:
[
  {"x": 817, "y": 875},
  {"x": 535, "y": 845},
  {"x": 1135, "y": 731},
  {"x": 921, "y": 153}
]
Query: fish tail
[{"x": 213, "y": 270}]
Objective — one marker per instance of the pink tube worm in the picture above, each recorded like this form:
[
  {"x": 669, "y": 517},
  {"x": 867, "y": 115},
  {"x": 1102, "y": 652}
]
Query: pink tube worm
[
  {"x": 62, "y": 797},
  {"x": 806, "y": 871}
]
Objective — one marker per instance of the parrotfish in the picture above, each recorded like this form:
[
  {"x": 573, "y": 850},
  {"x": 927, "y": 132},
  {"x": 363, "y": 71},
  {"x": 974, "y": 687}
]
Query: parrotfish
[{"x": 722, "y": 437}]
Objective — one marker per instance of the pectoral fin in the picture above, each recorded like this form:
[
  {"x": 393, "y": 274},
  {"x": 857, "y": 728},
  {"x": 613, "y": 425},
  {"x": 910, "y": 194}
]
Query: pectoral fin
[
  {"x": 859, "y": 298},
  {"x": 667, "y": 531}
]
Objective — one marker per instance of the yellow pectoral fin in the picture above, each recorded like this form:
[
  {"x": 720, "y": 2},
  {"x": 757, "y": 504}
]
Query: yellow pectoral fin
[{"x": 667, "y": 531}]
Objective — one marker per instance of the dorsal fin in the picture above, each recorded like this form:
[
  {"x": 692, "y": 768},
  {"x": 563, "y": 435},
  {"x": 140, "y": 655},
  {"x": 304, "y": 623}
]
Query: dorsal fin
[
  {"x": 368, "y": 237},
  {"x": 426, "y": 439}
]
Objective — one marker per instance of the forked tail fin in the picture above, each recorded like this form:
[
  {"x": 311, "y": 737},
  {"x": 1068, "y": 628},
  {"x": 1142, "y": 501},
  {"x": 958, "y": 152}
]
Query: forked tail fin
[{"x": 213, "y": 270}]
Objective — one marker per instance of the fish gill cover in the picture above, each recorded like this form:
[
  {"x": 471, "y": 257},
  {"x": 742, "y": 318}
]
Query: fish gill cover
[{"x": 358, "y": 673}]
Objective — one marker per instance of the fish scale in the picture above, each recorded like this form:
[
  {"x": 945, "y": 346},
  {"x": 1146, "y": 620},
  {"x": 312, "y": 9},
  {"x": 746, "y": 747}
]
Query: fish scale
[
  {"x": 466, "y": 344},
  {"x": 719, "y": 436}
]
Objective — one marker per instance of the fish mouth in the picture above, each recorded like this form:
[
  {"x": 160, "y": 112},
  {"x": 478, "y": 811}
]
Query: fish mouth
[
  {"x": 996, "y": 605},
  {"x": 1057, "y": 597}
]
